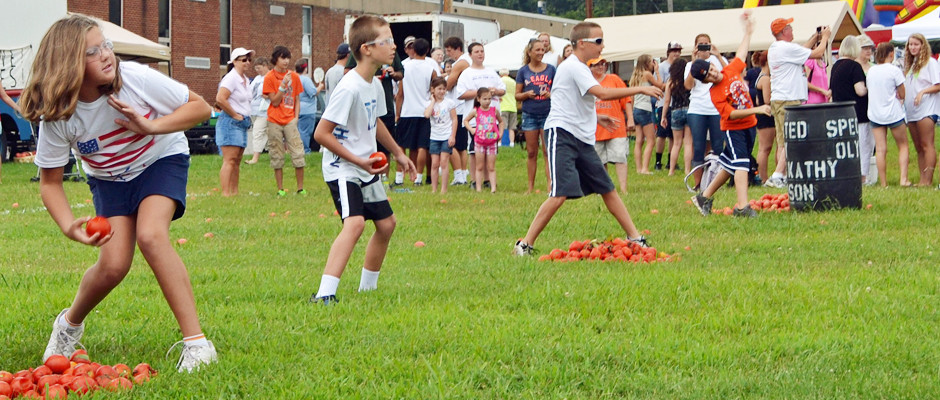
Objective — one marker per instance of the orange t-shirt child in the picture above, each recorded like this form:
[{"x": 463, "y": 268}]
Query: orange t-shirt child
[
  {"x": 284, "y": 112},
  {"x": 732, "y": 94},
  {"x": 612, "y": 108}
]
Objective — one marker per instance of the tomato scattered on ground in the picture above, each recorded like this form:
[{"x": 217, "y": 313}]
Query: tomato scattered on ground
[{"x": 59, "y": 376}]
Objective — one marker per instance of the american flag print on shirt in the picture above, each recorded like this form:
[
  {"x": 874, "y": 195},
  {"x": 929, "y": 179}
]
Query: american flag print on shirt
[{"x": 113, "y": 152}]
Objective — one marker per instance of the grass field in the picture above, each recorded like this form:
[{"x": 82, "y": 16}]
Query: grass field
[{"x": 833, "y": 305}]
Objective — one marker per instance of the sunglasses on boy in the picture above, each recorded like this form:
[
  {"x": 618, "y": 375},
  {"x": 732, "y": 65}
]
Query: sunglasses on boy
[
  {"x": 597, "y": 40},
  {"x": 383, "y": 42}
]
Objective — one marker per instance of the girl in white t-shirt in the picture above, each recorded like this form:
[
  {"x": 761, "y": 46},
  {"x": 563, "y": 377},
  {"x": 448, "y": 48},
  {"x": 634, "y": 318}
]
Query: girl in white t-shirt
[
  {"x": 442, "y": 112},
  {"x": 885, "y": 84},
  {"x": 125, "y": 121},
  {"x": 922, "y": 102}
]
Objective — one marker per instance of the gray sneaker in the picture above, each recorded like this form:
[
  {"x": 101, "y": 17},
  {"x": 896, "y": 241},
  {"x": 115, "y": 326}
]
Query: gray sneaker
[
  {"x": 63, "y": 340},
  {"x": 747, "y": 211},
  {"x": 640, "y": 241},
  {"x": 522, "y": 249},
  {"x": 775, "y": 182},
  {"x": 704, "y": 204}
]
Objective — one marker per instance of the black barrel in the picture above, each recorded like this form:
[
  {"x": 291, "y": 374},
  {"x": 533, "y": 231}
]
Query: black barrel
[{"x": 823, "y": 168}]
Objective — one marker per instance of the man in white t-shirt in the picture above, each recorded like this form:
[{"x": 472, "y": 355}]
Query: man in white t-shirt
[
  {"x": 575, "y": 168},
  {"x": 414, "y": 130},
  {"x": 788, "y": 85}
]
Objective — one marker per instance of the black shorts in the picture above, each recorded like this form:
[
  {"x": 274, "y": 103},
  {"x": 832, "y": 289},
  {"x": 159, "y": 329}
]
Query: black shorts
[
  {"x": 665, "y": 133},
  {"x": 389, "y": 121},
  {"x": 461, "y": 141},
  {"x": 574, "y": 166},
  {"x": 356, "y": 198},
  {"x": 414, "y": 133},
  {"x": 737, "y": 151},
  {"x": 765, "y": 121}
]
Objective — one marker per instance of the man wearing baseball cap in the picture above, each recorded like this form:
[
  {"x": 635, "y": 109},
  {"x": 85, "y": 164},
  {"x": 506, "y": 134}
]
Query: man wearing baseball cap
[
  {"x": 788, "y": 80},
  {"x": 336, "y": 72}
]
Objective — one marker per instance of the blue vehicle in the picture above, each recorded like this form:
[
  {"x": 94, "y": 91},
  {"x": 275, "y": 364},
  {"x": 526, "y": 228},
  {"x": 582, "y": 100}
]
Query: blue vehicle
[{"x": 17, "y": 133}]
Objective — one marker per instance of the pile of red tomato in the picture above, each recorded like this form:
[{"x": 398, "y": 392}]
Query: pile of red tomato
[
  {"x": 59, "y": 376},
  {"x": 767, "y": 203},
  {"x": 772, "y": 202},
  {"x": 615, "y": 249}
]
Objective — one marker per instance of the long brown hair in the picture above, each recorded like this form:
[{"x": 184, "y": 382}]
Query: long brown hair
[
  {"x": 642, "y": 65},
  {"x": 526, "y": 58},
  {"x": 913, "y": 64},
  {"x": 59, "y": 69}
]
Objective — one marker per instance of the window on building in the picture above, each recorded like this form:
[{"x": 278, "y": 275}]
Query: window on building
[
  {"x": 308, "y": 31},
  {"x": 115, "y": 11},
  {"x": 225, "y": 31},
  {"x": 164, "y": 23}
]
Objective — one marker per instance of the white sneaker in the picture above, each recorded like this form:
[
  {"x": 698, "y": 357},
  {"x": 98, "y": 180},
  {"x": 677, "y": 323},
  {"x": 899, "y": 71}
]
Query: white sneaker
[
  {"x": 194, "y": 357},
  {"x": 775, "y": 182},
  {"x": 63, "y": 341}
]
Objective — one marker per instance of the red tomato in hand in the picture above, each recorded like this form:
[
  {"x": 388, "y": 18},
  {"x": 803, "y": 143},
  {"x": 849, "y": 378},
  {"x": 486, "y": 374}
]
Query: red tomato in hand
[
  {"x": 382, "y": 162},
  {"x": 98, "y": 225}
]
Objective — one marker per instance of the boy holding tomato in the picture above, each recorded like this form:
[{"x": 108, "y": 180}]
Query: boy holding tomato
[{"x": 348, "y": 132}]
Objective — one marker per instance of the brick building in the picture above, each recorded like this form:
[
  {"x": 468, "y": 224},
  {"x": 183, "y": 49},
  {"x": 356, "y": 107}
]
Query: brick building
[{"x": 202, "y": 33}]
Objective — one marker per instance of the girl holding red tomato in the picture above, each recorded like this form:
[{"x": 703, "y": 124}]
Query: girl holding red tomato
[{"x": 125, "y": 121}]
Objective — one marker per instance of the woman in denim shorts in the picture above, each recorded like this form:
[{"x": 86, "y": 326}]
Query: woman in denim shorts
[
  {"x": 677, "y": 100},
  {"x": 231, "y": 129},
  {"x": 533, "y": 89}
]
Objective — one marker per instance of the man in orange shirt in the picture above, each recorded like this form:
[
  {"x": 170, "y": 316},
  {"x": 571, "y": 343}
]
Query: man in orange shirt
[
  {"x": 730, "y": 96},
  {"x": 611, "y": 144},
  {"x": 283, "y": 88}
]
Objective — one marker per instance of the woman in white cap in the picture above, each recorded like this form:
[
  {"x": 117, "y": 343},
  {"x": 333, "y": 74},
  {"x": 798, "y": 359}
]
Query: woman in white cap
[{"x": 231, "y": 130}]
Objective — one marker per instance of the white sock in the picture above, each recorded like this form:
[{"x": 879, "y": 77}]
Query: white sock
[
  {"x": 420, "y": 178},
  {"x": 464, "y": 174},
  {"x": 68, "y": 325},
  {"x": 369, "y": 280},
  {"x": 195, "y": 340},
  {"x": 776, "y": 175},
  {"x": 399, "y": 177},
  {"x": 328, "y": 285}
]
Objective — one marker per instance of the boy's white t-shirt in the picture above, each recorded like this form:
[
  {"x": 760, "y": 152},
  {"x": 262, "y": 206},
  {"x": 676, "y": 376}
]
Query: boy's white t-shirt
[
  {"x": 700, "y": 99},
  {"x": 883, "y": 105},
  {"x": 417, "y": 86},
  {"x": 354, "y": 107},
  {"x": 787, "y": 79},
  {"x": 572, "y": 105},
  {"x": 452, "y": 93},
  {"x": 107, "y": 150},
  {"x": 441, "y": 124},
  {"x": 473, "y": 79},
  {"x": 928, "y": 76}
]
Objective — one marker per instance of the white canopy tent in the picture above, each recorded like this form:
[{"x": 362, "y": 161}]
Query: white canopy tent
[
  {"x": 626, "y": 38},
  {"x": 506, "y": 52},
  {"x": 928, "y": 25},
  {"x": 133, "y": 47}
]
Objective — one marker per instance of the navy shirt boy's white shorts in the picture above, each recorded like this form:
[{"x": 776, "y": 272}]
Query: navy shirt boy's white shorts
[
  {"x": 738, "y": 145},
  {"x": 166, "y": 177},
  {"x": 574, "y": 166},
  {"x": 354, "y": 197}
]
